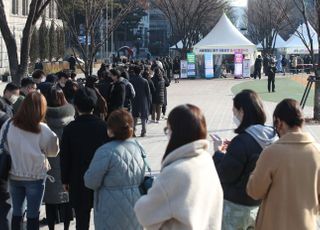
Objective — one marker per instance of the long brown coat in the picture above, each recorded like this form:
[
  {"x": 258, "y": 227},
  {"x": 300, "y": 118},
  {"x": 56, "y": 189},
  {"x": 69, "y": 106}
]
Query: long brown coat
[{"x": 287, "y": 179}]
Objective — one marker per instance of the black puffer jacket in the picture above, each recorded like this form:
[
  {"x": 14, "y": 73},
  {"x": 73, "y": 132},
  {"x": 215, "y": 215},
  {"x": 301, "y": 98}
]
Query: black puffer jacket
[
  {"x": 235, "y": 167},
  {"x": 159, "y": 85}
]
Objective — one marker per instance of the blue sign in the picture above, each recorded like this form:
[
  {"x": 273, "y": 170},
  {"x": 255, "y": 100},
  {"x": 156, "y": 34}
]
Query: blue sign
[{"x": 208, "y": 63}]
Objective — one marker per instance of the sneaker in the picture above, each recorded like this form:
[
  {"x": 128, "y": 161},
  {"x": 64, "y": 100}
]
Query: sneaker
[
  {"x": 157, "y": 122},
  {"x": 143, "y": 134}
]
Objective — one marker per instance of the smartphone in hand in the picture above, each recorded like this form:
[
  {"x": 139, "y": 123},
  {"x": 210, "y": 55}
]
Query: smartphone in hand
[{"x": 215, "y": 137}]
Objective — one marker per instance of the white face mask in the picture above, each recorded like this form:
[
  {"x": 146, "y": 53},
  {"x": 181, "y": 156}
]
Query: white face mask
[
  {"x": 13, "y": 99},
  {"x": 169, "y": 134},
  {"x": 43, "y": 79},
  {"x": 236, "y": 121}
]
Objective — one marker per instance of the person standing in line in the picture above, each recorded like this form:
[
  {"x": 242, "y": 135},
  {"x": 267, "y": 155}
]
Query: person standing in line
[
  {"x": 176, "y": 70},
  {"x": 116, "y": 170},
  {"x": 271, "y": 77},
  {"x": 10, "y": 96},
  {"x": 158, "y": 96},
  {"x": 27, "y": 86},
  {"x": 130, "y": 93},
  {"x": 257, "y": 67},
  {"x": 39, "y": 77},
  {"x": 164, "y": 106},
  {"x": 117, "y": 92},
  {"x": 187, "y": 193},
  {"x": 169, "y": 69},
  {"x": 142, "y": 101},
  {"x": 59, "y": 114},
  {"x": 148, "y": 74},
  {"x": 80, "y": 139},
  {"x": 6, "y": 112},
  {"x": 29, "y": 165},
  {"x": 286, "y": 176},
  {"x": 235, "y": 160}
]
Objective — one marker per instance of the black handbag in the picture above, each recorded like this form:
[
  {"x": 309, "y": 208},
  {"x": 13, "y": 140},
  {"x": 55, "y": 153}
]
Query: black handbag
[
  {"x": 148, "y": 179},
  {"x": 5, "y": 158}
]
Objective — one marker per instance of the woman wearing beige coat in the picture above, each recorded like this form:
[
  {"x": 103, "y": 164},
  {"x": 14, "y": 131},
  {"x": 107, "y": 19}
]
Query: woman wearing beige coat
[
  {"x": 286, "y": 176},
  {"x": 187, "y": 193}
]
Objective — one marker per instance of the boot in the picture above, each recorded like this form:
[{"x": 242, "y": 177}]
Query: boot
[
  {"x": 16, "y": 222},
  {"x": 33, "y": 223}
]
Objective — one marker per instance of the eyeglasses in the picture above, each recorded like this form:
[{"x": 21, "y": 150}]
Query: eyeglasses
[{"x": 166, "y": 130}]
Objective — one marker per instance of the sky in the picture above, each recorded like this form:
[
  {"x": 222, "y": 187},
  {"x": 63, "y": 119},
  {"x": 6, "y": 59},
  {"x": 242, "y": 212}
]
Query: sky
[{"x": 238, "y": 2}]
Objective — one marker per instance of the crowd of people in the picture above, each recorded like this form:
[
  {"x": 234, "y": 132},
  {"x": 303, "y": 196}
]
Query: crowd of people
[
  {"x": 72, "y": 147},
  {"x": 270, "y": 65}
]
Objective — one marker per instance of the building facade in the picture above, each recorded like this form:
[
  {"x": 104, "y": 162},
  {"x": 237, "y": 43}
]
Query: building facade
[
  {"x": 159, "y": 32},
  {"x": 16, "y": 12}
]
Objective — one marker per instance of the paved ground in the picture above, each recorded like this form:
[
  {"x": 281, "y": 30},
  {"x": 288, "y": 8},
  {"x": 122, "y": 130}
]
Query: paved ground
[{"x": 214, "y": 97}]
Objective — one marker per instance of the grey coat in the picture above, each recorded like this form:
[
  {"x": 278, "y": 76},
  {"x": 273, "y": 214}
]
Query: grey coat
[
  {"x": 57, "y": 118},
  {"x": 115, "y": 173}
]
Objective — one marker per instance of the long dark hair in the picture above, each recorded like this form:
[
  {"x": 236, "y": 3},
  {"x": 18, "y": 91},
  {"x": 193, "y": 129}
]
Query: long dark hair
[
  {"x": 290, "y": 112},
  {"x": 252, "y": 107},
  {"x": 187, "y": 124}
]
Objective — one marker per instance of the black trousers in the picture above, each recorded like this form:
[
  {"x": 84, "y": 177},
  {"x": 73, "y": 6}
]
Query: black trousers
[
  {"x": 4, "y": 209},
  {"x": 82, "y": 218},
  {"x": 257, "y": 73},
  {"x": 57, "y": 213},
  {"x": 271, "y": 84}
]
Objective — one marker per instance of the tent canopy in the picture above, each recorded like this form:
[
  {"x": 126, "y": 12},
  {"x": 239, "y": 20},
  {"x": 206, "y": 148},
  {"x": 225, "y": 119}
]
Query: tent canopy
[
  {"x": 295, "y": 45},
  {"x": 280, "y": 43},
  {"x": 224, "y": 38}
]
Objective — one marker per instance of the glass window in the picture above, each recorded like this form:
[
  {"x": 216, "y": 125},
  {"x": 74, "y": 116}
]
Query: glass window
[
  {"x": 51, "y": 9},
  {"x": 25, "y": 7},
  {"x": 15, "y": 6}
]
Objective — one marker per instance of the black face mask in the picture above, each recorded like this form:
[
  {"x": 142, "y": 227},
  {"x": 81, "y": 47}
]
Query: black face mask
[
  {"x": 275, "y": 128},
  {"x": 276, "y": 132}
]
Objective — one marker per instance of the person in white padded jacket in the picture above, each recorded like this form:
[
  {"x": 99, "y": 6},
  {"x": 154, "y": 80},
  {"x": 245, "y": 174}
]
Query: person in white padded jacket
[{"x": 187, "y": 194}]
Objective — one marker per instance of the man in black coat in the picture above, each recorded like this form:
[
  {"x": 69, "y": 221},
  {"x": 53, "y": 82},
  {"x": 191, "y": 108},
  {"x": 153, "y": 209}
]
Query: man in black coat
[
  {"x": 257, "y": 67},
  {"x": 142, "y": 101},
  {"x": 271, "y": 76},
  {"x": 80, "y": 139}
]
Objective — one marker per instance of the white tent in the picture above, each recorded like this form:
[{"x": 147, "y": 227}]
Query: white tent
[
  {"x": 224, "y": 38},
  {"x": 280, "y": 43},
  {"x": 295, "y": 45}
]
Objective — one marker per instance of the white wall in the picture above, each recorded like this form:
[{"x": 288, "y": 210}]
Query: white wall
[{"x": 16, "y": 24}]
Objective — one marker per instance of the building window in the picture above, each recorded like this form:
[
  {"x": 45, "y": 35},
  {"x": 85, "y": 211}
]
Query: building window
[
  {"x": 15, "y": 6},
  {"x": 25, "y": 7},
  {"x": 51, "y": 9}
]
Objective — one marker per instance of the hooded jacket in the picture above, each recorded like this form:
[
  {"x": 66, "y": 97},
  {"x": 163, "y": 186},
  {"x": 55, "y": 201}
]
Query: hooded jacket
[{"x": 235, "y": 167}]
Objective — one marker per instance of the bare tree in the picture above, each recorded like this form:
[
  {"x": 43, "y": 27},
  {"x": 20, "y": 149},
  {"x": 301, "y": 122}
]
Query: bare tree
[
  {"x": 266, "y": 20},
  {"x": 93, "y": 19},
  {"x": 19, "y": 67},
  {"x": 190, "y": 19},
  {"x": 308, "y": 13}
]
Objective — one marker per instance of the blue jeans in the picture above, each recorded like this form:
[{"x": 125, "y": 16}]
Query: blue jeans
[{"x": 32, "y": 191}]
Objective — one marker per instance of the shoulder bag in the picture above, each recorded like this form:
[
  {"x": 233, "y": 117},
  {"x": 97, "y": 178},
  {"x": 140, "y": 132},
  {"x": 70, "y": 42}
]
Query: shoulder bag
[{"x": 148, "y": 179}]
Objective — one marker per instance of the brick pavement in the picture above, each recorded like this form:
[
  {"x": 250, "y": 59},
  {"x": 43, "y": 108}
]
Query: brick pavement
[{"x": 214, "y": 97}]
